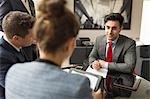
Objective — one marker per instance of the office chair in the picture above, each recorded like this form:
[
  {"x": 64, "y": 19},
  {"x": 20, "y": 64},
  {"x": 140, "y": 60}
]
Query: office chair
[
  {"x": 80, "y": 55},
  {"x": 145, "y": 69}
]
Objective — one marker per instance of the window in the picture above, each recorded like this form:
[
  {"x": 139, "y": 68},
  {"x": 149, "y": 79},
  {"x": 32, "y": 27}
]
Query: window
[{"x": 145, "y": 23}]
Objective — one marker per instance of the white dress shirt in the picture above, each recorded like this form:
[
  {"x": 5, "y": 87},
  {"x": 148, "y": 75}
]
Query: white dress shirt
[{"x": 113, "y": 47}]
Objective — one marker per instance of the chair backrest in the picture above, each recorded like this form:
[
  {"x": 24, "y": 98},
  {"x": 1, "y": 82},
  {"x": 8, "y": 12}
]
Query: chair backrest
[
  {"x": 145, "y": 69},
  {"x": 142, "y": 64},
  {"x": 145, "y": 51},
  {"x": 80, "y": 54}
]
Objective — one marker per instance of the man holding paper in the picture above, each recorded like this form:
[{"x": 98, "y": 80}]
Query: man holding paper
[{"x": 114, "y": 52}]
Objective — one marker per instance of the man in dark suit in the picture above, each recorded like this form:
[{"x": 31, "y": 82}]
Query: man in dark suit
[
  {"x": 14, "y": 44},
  {"x": 15, "y": 5},
  {"x": 123, "y": 48}
]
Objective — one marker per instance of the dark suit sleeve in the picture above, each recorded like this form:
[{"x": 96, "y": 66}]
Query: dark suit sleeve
[
  {"x": 5, "y": 63},
  {"x": 127, "y": 59},
  {"x": 5, "y": 7}
]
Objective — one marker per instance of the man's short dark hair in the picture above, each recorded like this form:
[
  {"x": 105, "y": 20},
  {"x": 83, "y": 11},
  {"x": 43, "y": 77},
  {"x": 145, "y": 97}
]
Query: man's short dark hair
[
  {"x": 17, "y": 23},
  {"x": 114, "y": 17}
]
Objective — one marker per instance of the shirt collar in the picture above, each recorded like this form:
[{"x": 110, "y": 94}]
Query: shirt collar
[
  {"x": 6, "y": 39},
  {"x": 114, "y": 41}
]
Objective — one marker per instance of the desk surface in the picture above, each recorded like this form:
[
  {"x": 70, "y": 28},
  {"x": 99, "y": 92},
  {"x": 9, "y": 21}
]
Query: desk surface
[{"x": 143, "y": 91}]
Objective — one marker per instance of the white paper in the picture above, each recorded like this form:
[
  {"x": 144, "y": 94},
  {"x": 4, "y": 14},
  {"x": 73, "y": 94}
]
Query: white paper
[
  {"x": 66, "y": 70},
  {"x": 93, "y": 79},
  {"x": 102, "y": 72}
]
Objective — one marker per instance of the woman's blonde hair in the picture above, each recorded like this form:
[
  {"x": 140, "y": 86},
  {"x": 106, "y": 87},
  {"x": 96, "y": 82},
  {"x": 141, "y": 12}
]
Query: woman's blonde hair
[{"x": 55, "y": 25}]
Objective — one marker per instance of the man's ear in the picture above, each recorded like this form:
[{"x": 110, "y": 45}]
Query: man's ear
[
  {"x": 121, "y": 28},
  {"x": 16, "y": 40},
  {"x": 15, "y": 37}
]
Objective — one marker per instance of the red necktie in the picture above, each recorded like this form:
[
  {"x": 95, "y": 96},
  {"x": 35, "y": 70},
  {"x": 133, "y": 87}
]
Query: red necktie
[
  {"x": 108, "y": 59},
  {"x": 109, "y": 52}
]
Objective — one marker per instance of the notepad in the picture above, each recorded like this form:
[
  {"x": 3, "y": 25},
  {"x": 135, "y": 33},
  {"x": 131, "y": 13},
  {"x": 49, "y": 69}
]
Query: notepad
[
  {"x": 102, "y": 72},
  {"x": 95, "y": 80}
]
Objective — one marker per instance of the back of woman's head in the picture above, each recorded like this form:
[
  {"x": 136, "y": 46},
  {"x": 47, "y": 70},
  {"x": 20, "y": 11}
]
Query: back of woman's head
[{"x": 55, "y": 25}]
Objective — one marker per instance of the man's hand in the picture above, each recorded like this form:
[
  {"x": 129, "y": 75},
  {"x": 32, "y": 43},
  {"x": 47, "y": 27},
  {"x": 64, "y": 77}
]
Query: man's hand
[
  {"x": 102, "y": 62},
  {"x": 96, "y": 65},
  {"x": 97, "y": 94}
]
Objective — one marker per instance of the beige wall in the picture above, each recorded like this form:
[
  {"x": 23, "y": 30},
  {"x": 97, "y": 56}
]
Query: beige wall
[{"x": 134, "y": 32}]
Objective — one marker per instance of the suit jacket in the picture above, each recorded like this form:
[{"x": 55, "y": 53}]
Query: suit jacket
[
  {"x": 13, "y": 5},
  {"x": 124, "y": 56},
  {"x": 123, "y": 61},
  {"x": 40, "y": 80},
  {"x": 9, "y": 56}
]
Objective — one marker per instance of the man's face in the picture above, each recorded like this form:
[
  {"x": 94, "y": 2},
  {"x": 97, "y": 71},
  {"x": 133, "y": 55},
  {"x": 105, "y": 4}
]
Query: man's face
[
  {"x": 27, "y": 40},
  {"x": 112, "y": 29}
]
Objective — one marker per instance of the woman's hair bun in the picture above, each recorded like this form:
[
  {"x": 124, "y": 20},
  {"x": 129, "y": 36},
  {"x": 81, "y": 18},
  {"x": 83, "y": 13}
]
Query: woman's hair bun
[{"x": 52, "y": 8}]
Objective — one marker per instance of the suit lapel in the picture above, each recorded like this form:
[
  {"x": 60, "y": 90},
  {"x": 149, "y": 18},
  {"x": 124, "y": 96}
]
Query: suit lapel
[
  {"x": 23, "y": 52},
  {"x": 11, "y": 49},
  {"x": 102, "y": 48},
  {"x": 118, "y": 48},
  {"x": 20, "y": 57}
]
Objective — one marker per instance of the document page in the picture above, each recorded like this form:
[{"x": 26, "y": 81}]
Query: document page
[
  {"x": 102, "y": 72},
  {"x": 93, "y": 79}
]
